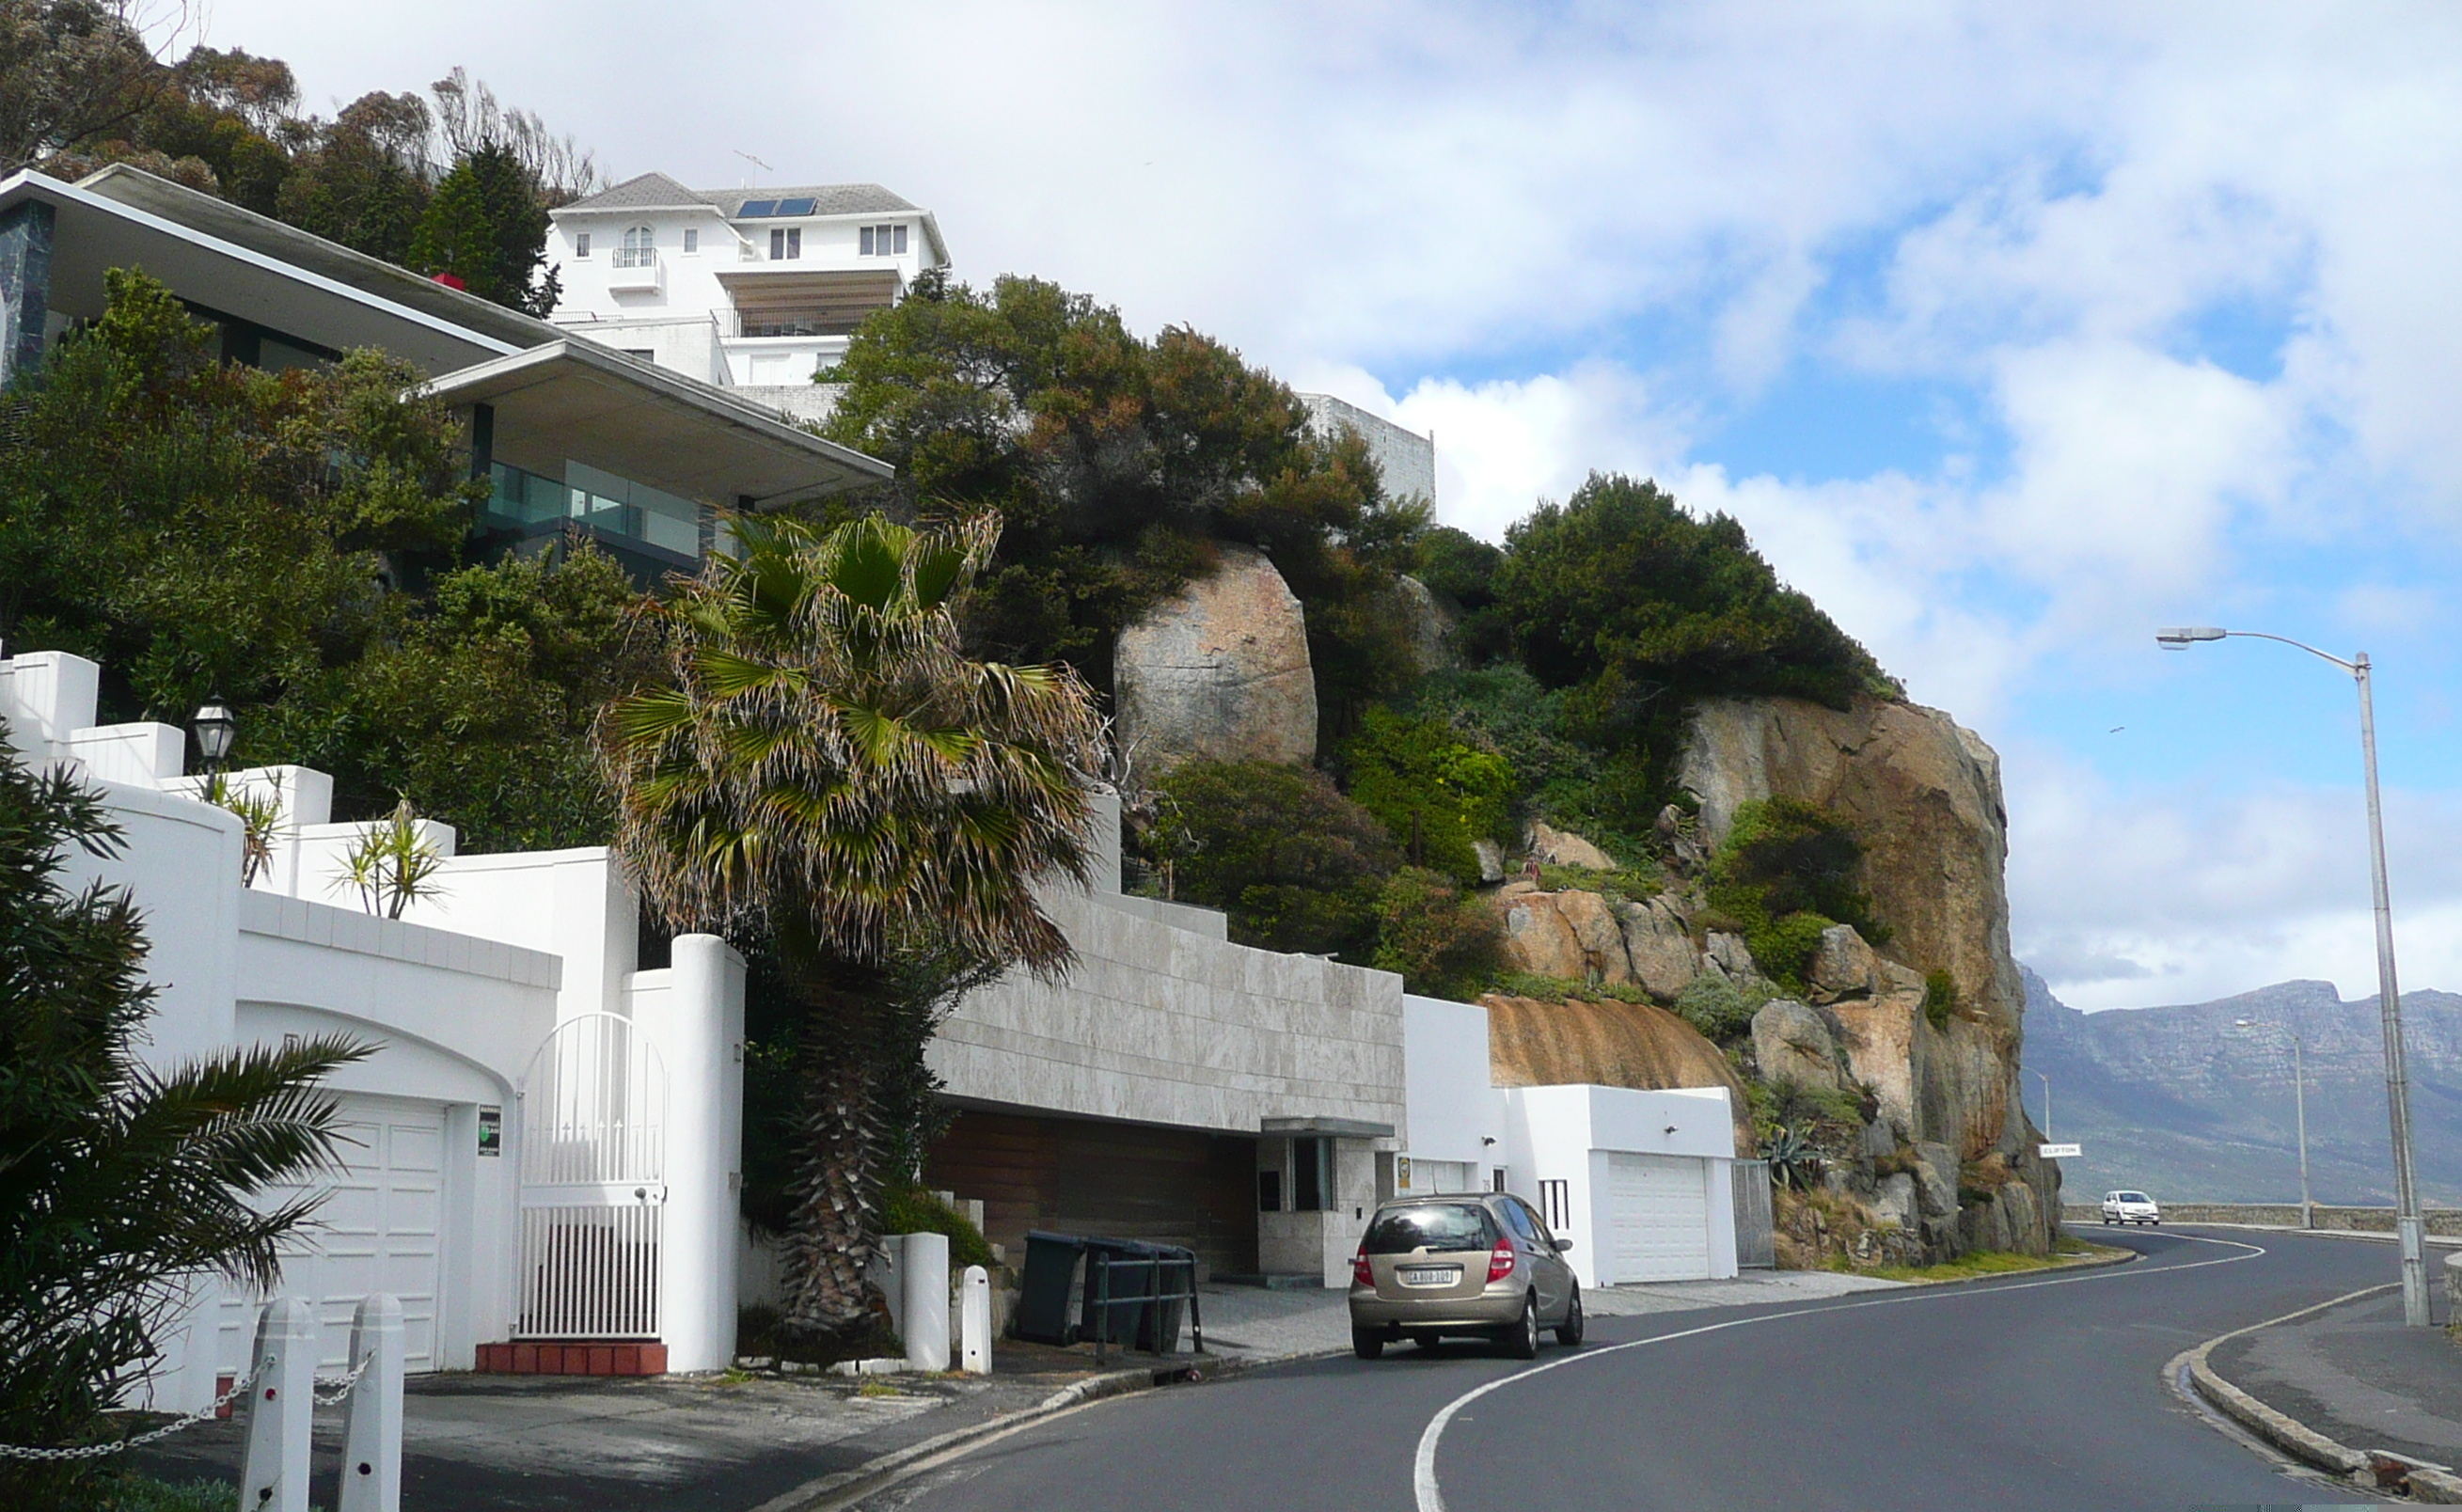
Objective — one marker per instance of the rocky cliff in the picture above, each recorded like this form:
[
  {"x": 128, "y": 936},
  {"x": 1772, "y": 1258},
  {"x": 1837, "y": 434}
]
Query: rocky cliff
[
  {"x": 1219, "y": 671},
  {"x": 1902, "y": 1059}
]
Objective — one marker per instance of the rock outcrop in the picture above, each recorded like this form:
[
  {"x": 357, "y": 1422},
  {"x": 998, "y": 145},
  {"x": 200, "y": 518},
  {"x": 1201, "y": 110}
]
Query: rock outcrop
[
  {"x": 1219, "y": 672},
  {"x": 1535, "y": 1043},
  {"x": 1924, "y": 797}
]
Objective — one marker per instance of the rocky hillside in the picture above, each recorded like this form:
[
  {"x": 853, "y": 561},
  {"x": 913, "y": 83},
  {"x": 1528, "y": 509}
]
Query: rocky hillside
[
  {"x": 1885, "y": 1077},
  {"x": 2184, "y": 1103}
]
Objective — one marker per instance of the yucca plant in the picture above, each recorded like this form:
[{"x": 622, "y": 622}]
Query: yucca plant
[
  {"x": 828, "y": 769},
  {"x": 260, "y": 817},
  {"x": 1794, "y": 1161},
  {"x": 122, "y": 1184},
  {"x": 391, "y": 865}
]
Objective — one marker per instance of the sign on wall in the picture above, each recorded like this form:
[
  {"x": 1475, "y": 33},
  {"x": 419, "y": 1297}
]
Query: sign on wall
[{"x": 491, "y": 1131}]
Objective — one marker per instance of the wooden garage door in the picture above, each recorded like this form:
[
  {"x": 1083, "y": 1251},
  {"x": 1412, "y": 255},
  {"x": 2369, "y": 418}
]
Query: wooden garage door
[
  {"x": 378, "y": 1230},
  {"x": 1657, "y": 1218}
]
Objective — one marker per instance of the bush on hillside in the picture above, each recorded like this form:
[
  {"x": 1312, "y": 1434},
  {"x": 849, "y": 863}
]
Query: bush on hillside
[
  {"x": 1437, "y": 792},
  {"x": 1444, "y": 944},
  {"x": 1720, "y": 1010},
  {"x": 1295, "y": 864},
  {"x": 1785, "y": 873}
]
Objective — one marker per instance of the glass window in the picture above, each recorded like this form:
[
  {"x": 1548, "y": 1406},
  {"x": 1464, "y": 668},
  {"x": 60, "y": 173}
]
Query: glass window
[
  {"x": 581, "y": 243},
  {"x": 638, "y": 248},
  {"x": 692, "y": 238},
  {"x": 1517, "y": 1218},
  {"x": 786, "y": 243},
  {"x": 865, "y": 237},
  {"x": 1432, "y": 1225},
  {"x": 901, "y": 241},
  {"x": 1311, "y": 1174}
]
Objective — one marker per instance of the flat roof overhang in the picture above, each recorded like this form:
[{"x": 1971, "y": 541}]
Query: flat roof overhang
[
  {"x": 576, "y": 400},
  {"x": 93, "y": 234},
  {"x": 1337, "y": 1128}
]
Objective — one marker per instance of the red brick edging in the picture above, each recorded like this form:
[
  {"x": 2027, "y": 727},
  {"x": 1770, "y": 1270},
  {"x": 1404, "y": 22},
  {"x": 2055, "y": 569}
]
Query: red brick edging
[{"x": 555, "y": 1358}]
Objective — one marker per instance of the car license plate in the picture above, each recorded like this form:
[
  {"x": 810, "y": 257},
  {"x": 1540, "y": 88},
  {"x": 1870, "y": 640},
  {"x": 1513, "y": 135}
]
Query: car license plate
[{"x": 1431, "y": 1275}]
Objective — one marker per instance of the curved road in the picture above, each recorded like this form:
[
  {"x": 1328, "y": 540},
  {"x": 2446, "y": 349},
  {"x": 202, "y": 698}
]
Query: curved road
[{"x": 2038, "y": 1392}]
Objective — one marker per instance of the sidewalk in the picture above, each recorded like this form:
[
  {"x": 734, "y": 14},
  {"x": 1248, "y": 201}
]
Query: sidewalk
[{"x": 2354, "y": 1373}]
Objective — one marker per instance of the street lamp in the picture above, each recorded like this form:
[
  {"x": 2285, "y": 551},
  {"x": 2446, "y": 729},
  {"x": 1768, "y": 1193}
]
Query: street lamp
[
  {"x": 2300, "y": 1101},
  {"x": 2406, "y": 1186},
  {"x": 216, "y": 728},
  {"x": 2047, "y": 1105}
]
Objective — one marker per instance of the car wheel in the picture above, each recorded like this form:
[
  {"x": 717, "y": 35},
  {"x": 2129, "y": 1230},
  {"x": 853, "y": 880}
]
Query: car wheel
[
  {"x": 1569, "y": 1332},
  {"x": 1520, "y": 1338},
  {"x": 1368, "y": 1343}
]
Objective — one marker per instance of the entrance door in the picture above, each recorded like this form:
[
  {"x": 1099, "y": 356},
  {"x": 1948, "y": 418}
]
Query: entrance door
[
  {"x": 1657, "y": 1218},
  {"x": 594, "y": 1183},
  {"x": 379, "y": 1229}
]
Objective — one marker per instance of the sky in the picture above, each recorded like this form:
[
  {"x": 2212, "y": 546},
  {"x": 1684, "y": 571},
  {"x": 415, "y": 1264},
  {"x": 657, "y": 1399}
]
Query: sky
[{"x": 2010, "y": 331}]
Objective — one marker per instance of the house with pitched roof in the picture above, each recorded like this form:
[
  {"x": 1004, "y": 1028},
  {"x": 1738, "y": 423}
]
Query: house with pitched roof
[{"x": 746, "y": 289}]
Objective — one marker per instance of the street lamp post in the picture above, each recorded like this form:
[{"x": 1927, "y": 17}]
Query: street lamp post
[
  {"x": 2406, "y": 1187},
  {"x": 2300, "y": 1103},
  {"x": 2047, "y": 1105},
  {"x": 216, "y": 728}
]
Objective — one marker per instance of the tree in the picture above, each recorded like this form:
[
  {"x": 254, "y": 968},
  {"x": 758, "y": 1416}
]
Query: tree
[
  {"x": 1113, "y": 460},
  {"x": 1437, "y": 793},
  {"x": 1443, "y": 944},
  {"x": 364, "y": 183},
  {"x": 1294, "y": 863},
  {"x": 485, "y": 226},
  {"x": 71, "y": 72},
  {"x": 119, "y": 1182},
  {"x": 829, "y": 770}
]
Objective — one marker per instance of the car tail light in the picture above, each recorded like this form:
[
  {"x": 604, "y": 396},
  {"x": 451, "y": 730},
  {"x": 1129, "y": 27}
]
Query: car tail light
[
  {"x": 1360, "y": 1274},
  {"x": 1499, "y": 1262}
]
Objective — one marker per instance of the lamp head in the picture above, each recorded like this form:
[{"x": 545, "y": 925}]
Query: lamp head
[
  {"x": 2180, "y": 638},
  {"x": 216, "y": 729}
]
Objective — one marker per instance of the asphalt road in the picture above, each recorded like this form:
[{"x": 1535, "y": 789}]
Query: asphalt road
[{"x": 2038, "y": 1392}]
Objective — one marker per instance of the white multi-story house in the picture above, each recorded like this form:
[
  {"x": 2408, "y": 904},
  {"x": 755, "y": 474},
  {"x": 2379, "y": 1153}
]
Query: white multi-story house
[{"x": 746, "y": 289}]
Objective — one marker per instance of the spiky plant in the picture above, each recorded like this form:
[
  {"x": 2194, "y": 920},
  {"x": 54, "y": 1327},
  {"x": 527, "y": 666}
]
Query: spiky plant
[
  {"x": 828, "y": 768},
  {"x": 122, "y": 1184}
]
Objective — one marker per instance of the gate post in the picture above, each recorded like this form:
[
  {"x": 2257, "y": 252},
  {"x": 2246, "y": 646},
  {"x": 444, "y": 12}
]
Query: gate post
[
  {"x": 274, "y": 1476},
  {"x": 924, "y": 1277},
  {"x": 372, "y": 1420}
]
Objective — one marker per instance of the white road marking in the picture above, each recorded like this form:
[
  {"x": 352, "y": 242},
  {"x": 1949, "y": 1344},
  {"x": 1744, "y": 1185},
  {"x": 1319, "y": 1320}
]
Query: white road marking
[{"x": 1423, "y": 1465}]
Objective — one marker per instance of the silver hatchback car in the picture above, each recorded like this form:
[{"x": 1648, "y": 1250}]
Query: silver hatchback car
[{"x": 1481, "y": 1263}]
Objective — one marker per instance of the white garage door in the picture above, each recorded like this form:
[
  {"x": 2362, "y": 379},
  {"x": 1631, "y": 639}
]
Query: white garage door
[
  {"x": 378, "y": 1230},
  {"x": 1657, "y": 1218}
]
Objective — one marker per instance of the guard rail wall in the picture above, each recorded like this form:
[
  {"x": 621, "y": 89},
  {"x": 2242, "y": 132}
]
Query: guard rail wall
[{"x": 2441, "y": 1221}]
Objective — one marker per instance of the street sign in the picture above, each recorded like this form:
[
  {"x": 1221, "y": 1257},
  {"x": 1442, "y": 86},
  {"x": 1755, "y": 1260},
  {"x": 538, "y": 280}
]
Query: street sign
[{"x": 2055, "y": 1151}]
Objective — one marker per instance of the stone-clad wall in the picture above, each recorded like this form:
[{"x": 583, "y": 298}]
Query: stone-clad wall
[{"x": 1166, "y": 1025}]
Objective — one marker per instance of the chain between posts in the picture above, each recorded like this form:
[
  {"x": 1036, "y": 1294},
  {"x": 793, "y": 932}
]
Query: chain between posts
[
  {"x": 237, "y": 1389},
  {"x": 327, "y": 1395}
]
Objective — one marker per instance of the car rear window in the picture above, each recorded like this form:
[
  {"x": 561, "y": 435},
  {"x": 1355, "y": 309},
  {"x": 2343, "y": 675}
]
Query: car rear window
[{"x": 1432, "y": 1225}]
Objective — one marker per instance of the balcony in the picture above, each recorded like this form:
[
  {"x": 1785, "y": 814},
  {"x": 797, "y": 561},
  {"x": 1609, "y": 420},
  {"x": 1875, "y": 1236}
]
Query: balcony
[{"x": 635, "y": 272}]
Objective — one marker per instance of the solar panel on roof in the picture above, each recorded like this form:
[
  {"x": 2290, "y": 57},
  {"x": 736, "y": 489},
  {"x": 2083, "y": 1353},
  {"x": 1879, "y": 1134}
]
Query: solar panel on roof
[
  {"x": 753, "y": 208},
  {"x": 796, "y": 207}
]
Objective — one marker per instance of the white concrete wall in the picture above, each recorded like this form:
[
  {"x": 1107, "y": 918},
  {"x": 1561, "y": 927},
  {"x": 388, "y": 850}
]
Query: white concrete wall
[
  {"x": 573, "y": 904},
  {"x": 1454, "y": 1112}
]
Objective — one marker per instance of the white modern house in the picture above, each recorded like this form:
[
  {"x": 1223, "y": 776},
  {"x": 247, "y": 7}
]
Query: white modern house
[{"x": 742, "y": 289}]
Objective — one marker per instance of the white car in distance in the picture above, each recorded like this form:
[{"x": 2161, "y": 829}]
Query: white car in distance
[{"x": 2131, "y": 1207}]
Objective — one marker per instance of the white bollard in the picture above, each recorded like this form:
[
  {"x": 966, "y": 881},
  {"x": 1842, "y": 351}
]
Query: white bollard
[
  {"x": 280, "y": 1409},
  {"x": 975, "y": 1322},
  {"x": 923, "y": 1274},
  {"x": 371, "y": 1414}
]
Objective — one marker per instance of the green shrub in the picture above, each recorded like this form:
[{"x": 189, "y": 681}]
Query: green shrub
[
  {"x": 1631, "y": 883},
  {"x": 134, "y": 1492},
  {"x": 1717, "y": 1007},
  {"x": 1941, "y": 999},
  {"x": 1437, "y": 792},
  {"x": 1785, "y": 873},
  {"x": 1444, "y": 944},
  {"x": 913, "y": 1210},
  {"x": 1295, "y": 864}
]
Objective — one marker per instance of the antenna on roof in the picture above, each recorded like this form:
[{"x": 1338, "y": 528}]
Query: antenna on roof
[{"x": 750, "y": 158}]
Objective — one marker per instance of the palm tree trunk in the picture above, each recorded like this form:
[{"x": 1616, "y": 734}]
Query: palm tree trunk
[{"x": 829, "y": 1236}]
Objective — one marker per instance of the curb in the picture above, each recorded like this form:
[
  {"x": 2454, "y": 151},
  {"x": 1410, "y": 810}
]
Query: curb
[
  {"x": 2375, "y": 1469},
  {"x": 844, "y": 1488}
]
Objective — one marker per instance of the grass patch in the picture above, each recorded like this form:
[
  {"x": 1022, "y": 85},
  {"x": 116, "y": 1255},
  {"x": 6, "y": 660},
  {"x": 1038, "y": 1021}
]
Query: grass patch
[
  {"x": 877, "y": 1388},
  {"x": 134, "y": 1492},
  {"x": 1995, "y": 1262},
  {"x": 1626, "y": 885}
]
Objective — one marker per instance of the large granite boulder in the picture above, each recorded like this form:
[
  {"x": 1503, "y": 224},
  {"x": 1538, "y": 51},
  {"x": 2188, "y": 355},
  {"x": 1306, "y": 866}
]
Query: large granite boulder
[
  {"x": 1535, "y": 1043},
  {"x": 1563, "y": 847},
  {"x": 1570, "y": 936},
  {"x": 1792, "y": 1043},
  {"x": 1424, "y": 623},
  {"x": 1658, "y": 947},
  {"x": 1219, "y": 671}
]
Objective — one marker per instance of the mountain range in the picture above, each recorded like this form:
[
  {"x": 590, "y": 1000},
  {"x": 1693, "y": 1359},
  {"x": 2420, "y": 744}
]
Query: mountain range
[{"x": 2182, "y": 1102}]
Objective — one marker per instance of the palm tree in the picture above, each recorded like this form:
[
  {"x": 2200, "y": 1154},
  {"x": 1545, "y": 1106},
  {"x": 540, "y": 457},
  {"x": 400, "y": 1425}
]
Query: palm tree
[{"x": 831, "y": 770}]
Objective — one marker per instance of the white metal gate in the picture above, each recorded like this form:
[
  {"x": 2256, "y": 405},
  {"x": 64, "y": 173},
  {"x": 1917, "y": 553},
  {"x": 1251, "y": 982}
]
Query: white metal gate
[{"x": 593, "y": 1174}]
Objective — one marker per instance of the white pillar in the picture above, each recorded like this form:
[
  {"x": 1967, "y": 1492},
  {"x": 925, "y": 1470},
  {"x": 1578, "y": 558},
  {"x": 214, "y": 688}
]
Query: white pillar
[
  {"x": 924, "y": 1276},
  {"x": 371, "y": 1414},
  {"x": 274, "y": 1476},
  {"x": 698, "y": 1026},
  {"x": 975, "y": 1322}
]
